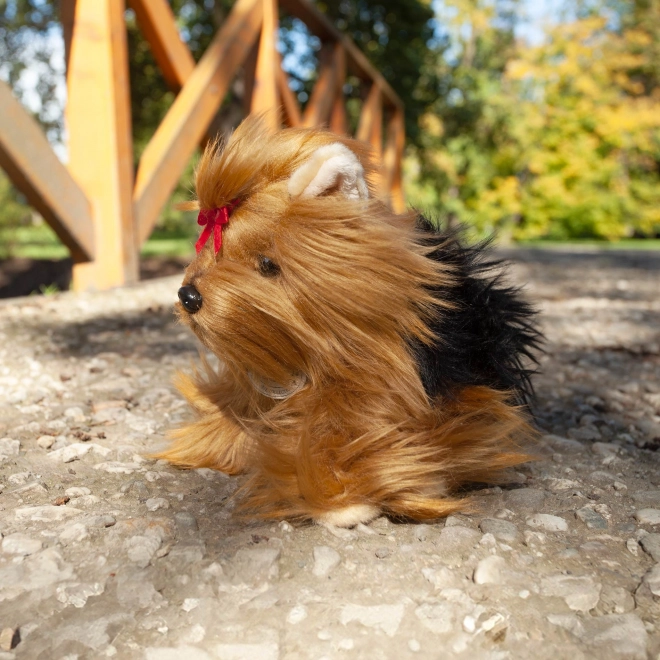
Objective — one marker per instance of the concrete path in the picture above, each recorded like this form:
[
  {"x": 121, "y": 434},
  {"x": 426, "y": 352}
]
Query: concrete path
[{"x": 107, "y": 554}]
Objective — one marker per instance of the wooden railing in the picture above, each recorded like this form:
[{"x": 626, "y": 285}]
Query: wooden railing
[{"x": 103, "y": 211}]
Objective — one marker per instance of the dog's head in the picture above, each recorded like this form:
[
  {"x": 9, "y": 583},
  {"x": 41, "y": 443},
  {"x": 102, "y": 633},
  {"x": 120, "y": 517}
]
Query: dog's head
[{"x": 314, "y": 275}]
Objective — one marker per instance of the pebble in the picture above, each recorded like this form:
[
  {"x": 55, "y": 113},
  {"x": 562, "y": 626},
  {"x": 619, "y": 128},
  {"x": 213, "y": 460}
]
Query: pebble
[
  {"x": 255, "y": 564},
  {"x": 563, "y": 445},
  {"x": 155, "y": 503},
  {"x": 615, "y": 600},
  {"x": 75, "y": 414},
  {"x": 268, "y": 651},
  {"x": 601, "y": 478},
  {"x": 9, "y": 638},
  {"x": 469, "y": 624},
  {"x": 556, "y": 485},
  {"x": 176, "y": 653},
  {"x": 651, "y": 545},
  {"x": 421, "y": 532},
  {"x": 186, "y": 523},
  {"x": 386, "y": 618},
  {"x": 19, "y": 478},
  {"x": 585, "y": 433},
  {"x": 70, "y": 453},
  {"x": 489, "y": 570},
  {"x": 441, "y": 578},
  {"x": 440, "y": 618},
  {"x": 115, "y": 467},
  {"x": 652, "y": 579},
  {"x": 73, "y": 533},
  {"x": 502, "y": 530},
  {"x": 457, "y": 541},
  {"x": 648, "y": 516},
  {"x": 605, "y": 449},
  {"x": 142, "y": 548},
  {"x": 296, "y": 614},
  {"x": 547, "y": 522},
  {"x": 618, "y": 635},
  {"x": 76, "y": 594},
  {"x": 633, "y": 547},
  {"x": 382, "y": 552},
  {"x": 20, "y": 544},
  {"x": 103, "y": 520},
  {"x": 581, "y": 594},
  {"x": 135, "y": 590},
  {"x": 590, "y": 518},
  {"x": 525, "y": 499},
  {"x": 45, "y": 441},
  {"x": 77, "y": 491},
  {"x": 325, "y": 560},
  {"x": 457, "y": 520},
  {"x": 534, "y": 540},
  {"x": 189, "y": 604},
  {"x": 9, "y": 447},
  {"x": 649, "y": 498},
  {"x": 46, "y": 513}
]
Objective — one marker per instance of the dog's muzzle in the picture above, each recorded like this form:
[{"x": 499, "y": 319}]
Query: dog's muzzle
[{"x": 190, "y": 298}]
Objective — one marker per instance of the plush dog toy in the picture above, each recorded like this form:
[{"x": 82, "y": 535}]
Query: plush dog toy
[{"x": 369, "y": 363}]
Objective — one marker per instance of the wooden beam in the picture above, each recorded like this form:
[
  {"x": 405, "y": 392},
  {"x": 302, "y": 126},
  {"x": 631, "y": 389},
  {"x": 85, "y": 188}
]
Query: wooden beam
[
  {"x": 36, "y": 171},
  {"x": 185, "y": 123},
  {"x": 288, "y": 98},
  {"x": 338, "y": 119},
  {"x": 393, "y": 161},
  {"x": 318, "y": 108},
  {"x": 158, "y": 25},
  {"x": 100, "y": 146},
  {"x": 264, "y": 92},
  {"x": 67, "y": 15},
  {"x": 357, "y": 62},
  {"x": 370, "y": 128},
  {"x": 249, "y": 73}
]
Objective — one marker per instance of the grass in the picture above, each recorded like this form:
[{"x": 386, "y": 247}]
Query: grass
[
  {"x": 40, "y": 242},
  {"x": 623, "y": 244}
]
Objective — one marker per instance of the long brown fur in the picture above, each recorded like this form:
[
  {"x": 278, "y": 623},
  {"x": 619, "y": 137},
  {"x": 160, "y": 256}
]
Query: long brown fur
[{"x": 354, "y": 290}]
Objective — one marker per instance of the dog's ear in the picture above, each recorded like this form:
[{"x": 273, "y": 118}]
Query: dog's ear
[{"x": 333, "y": 167}]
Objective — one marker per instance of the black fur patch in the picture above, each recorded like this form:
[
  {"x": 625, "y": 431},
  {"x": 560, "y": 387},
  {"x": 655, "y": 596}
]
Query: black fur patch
[{"x": 490, "y": 338}]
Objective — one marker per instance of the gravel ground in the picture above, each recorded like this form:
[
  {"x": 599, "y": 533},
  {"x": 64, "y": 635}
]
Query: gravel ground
[{"x": 105, "y": 553}]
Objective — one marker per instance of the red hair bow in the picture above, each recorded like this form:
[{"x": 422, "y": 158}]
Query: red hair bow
[{"x": 213, "y": 220}]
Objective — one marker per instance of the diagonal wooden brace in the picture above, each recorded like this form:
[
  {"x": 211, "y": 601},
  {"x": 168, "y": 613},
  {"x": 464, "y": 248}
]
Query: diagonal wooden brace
[
  {"x": 36, "y": 171},
  {"x": 187, "y": 120}
]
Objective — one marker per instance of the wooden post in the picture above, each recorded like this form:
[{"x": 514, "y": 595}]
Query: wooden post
[
  {"x": 319, "y": 105},
  {"x": 392, "y": 161},
  {"x": 249, "y": 73},
  {"x": 100, "y": 145},
  {"x": 338, "y": 119},
  {"x": 264, "y": 92},
  {"x": 292, "y": 113},
  {"x": 370, "y": 128}
]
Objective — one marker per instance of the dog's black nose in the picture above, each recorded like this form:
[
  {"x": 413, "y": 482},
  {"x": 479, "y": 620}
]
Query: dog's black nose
[{"x": 190, "y": 298}]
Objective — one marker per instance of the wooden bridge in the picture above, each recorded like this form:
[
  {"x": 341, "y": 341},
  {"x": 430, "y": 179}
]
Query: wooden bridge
[{"x": 99, "y": 207}]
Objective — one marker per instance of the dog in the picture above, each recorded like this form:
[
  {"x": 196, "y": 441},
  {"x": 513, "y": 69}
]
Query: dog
[{"x": 370, "y": 364}]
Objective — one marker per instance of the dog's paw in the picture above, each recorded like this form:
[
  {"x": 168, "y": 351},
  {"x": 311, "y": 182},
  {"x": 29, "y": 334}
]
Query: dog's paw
[{"x": 348, "y": 516}]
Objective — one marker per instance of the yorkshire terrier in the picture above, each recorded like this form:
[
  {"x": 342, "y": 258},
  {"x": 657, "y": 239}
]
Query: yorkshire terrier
[{"x": 370, "y": 363}]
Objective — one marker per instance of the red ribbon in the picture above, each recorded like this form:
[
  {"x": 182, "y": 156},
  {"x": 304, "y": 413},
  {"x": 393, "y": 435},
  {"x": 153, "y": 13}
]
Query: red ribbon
[{"x": 213, "y": 220}]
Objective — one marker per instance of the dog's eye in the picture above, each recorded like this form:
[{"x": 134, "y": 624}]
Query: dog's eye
[{"x": 267, "y": 267}]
